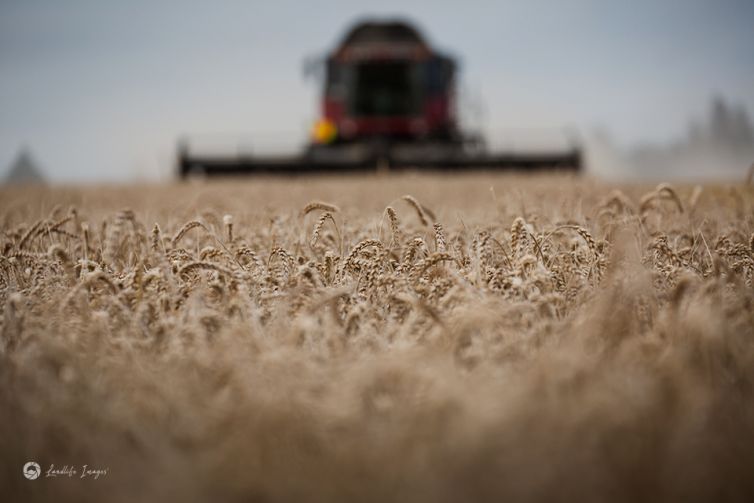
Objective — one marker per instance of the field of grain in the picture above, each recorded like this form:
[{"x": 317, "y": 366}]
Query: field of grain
[{"x": 407, "y": 338}]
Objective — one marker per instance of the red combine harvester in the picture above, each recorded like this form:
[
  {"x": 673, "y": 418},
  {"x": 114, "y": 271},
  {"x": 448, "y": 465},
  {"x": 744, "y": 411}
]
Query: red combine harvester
[{"x": 388, "y": 102}]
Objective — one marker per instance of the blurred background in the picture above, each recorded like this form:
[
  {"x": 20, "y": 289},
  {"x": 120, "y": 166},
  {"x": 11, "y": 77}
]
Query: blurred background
[{"x": 100, "y": 91}]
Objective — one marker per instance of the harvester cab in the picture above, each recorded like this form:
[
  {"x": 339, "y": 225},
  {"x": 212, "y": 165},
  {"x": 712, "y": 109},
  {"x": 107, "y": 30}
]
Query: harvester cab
[
  {"x": 388, "y": 100},
  {"x": 383, "y": 81}
]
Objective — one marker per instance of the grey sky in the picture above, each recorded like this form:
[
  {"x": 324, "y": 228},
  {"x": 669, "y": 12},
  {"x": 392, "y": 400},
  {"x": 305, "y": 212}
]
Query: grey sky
[{"x": 101, "y": 89}]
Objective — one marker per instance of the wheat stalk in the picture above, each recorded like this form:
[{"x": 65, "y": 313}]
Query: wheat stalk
[
  {"x": 318, "y": 205},
  {"x": 187, "y": 227},
  {"x": 421, "y": 212}
]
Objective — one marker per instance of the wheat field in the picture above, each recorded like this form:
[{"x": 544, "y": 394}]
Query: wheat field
[{"x": 411, "y": 338}]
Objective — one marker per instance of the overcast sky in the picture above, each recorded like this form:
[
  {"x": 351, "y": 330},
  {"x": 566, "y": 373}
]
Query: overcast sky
[{"x": 100, "y": 90}]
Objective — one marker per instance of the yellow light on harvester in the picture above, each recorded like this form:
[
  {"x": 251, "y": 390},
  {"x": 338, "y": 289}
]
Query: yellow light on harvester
[{"x": 324, "y": 131}]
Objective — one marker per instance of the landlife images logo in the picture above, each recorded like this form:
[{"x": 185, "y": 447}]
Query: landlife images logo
[{"x": 32, "y": 470}]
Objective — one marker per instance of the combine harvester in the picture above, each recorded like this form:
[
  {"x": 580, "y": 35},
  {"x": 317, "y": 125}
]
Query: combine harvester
[{"x": 388, "y": 103}]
